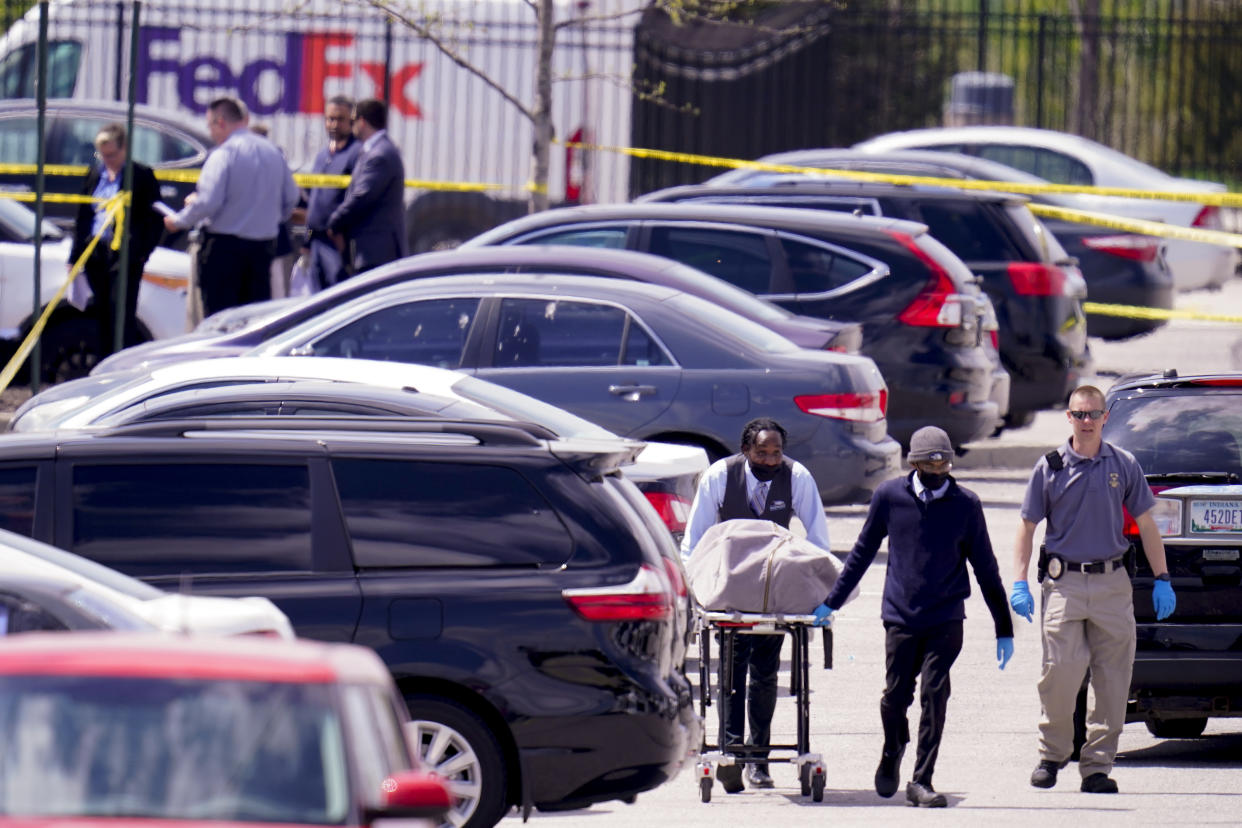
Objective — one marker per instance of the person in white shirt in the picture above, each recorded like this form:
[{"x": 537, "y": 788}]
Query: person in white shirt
[{"x": 758, "y": 483}]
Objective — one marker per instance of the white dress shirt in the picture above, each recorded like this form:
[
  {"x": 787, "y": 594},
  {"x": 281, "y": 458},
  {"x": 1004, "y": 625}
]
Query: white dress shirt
[{"x": 807, "y": 504}]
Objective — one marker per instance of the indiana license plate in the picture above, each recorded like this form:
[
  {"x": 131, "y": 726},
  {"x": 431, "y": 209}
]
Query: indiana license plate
[{"x": 1210, "y": 516}]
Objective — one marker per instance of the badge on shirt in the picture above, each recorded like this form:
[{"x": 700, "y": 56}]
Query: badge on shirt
[
  {"x": 1114, "y": 479},
  {"x": 776, "y": 506}
]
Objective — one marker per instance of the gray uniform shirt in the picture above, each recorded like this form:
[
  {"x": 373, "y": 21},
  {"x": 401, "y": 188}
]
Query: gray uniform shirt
[{"x": 1082, "y": 502}]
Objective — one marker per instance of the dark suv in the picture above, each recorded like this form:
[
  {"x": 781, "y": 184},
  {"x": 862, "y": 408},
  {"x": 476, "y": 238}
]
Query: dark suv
[
  {"x": 1036, "y": 289},
  {"x": 922, "y": 313},
  {"x": 513, "y": 583},
  {"x": 1185, "y": 433}
]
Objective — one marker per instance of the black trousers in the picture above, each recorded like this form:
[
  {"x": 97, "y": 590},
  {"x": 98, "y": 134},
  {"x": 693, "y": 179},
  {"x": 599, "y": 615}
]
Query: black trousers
[
  {"x": 234, "y": 271},
  {"x": 751, "y": 702},
  {"x": 926, "y": 655},
  {"x": 101, "y": 271}
]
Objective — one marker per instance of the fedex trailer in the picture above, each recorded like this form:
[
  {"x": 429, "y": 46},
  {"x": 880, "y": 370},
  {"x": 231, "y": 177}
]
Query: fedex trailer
[{"x": 286, "y": 58}]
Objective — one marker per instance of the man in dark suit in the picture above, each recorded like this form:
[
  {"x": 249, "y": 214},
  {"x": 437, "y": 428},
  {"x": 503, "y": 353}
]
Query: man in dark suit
[
  {"x": 102, "y": 269},
  {"x": 371, "y": 219}
]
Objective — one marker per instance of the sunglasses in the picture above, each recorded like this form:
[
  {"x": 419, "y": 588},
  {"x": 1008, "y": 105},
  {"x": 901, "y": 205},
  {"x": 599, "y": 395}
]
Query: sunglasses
[{"x": 1095, "y": 414}]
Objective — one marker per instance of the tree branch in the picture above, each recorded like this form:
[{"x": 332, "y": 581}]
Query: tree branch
[{"x": 448, "y": 51}]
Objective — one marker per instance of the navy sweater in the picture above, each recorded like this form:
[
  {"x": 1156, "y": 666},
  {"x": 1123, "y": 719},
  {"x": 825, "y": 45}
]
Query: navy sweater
[{"x": 928, "y": 546}]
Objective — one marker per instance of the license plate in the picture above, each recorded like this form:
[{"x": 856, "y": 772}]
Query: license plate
[{"x": 1213, "y": 516}]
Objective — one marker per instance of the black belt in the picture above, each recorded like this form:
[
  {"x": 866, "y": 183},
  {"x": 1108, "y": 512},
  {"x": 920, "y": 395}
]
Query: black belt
[{"x": 1095, "y": 567}]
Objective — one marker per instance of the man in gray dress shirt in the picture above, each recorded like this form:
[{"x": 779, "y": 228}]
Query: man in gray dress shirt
[{"x": 244, "y": 193}]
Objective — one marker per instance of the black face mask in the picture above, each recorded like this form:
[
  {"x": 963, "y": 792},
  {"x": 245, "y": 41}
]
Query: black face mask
[
  {"x": 932, "y": 481},
  {"x": 764, "y": 473}
]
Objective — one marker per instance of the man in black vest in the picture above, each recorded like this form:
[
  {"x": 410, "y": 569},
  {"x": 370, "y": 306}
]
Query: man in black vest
[{"x": 759, "y": 483}]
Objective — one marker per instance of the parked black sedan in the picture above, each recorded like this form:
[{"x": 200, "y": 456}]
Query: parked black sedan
[
  {"x": 921, "y": 309},
  {"x": 1120, "y": 268},
  {"x": 1036, "y": 289}
]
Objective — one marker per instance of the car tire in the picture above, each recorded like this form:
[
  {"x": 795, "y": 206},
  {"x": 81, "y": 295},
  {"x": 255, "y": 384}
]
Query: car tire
[
  {"x": 70, "y": 349},
  {"x": 455, "y": 744},
  {"x": 1176, "y": 728}
]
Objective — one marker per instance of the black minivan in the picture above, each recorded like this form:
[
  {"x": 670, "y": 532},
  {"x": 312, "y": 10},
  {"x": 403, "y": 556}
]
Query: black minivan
[{"x": 514, "y": 583}]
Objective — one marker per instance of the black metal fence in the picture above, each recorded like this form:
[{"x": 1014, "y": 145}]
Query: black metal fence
[{"x": 1155, "y": 80}]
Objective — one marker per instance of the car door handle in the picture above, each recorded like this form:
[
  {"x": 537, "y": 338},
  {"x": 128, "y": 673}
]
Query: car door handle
[{"x": 631, "y": 392}]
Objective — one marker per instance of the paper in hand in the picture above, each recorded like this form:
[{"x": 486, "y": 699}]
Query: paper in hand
[{"x": 164, "y": 209}]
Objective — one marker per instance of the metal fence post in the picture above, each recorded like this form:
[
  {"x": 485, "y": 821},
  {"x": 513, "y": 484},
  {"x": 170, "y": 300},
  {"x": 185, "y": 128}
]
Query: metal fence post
[
  {"x": 1040, "y": 46},
  {"x": 36, "y": 354},
  {"x": 121, "y": 286}
]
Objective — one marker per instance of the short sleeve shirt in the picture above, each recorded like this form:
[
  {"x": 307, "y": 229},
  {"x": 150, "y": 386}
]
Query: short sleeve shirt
[{"x": 1083, "y": 502}]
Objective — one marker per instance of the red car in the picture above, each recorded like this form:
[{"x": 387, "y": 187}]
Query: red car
[{"x": 153, "y": 730}]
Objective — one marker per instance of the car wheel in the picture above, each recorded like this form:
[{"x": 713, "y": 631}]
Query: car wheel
[
  {"x": 1176, "y": 728},
  {"x": 70, "y": 349},
  {"x": 457, "y": 746}
]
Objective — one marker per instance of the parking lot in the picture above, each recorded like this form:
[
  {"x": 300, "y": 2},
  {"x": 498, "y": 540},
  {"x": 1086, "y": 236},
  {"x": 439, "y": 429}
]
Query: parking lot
[{"x": 989, "y": 747}]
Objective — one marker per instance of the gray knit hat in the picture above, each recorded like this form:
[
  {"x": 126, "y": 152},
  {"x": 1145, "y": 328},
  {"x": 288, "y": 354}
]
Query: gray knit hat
[{"x": 930, "y": 443}]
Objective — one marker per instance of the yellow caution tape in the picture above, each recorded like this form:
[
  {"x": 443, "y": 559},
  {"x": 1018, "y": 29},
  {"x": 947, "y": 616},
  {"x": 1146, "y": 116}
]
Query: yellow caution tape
[
  {"x": 115, "y": 209},
  {"x": 52, "y": 198},
  {"x": 1143, "y": 226},
  {"x": 1217, "y": 199},
  {"x": 1137, "y": 312}
]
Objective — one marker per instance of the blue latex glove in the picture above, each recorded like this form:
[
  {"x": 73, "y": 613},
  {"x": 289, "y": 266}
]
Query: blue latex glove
[
  {"x": 1163, "y": 599},
  {"x": 1021, "y": 601},
  {"x": 823, "y": 615},
  {"x": 1004, "y": 651}
]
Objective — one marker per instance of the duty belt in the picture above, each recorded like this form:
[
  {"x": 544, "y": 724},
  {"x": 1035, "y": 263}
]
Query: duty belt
[{"x": 1089, "y": 568}]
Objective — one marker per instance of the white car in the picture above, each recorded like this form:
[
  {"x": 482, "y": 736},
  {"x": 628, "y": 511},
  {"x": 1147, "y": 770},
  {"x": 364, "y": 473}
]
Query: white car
[
  {"x": 1063, "y": 158},
  {"x": 22, "y": 557},
  {"x": 69, "y": 341}
]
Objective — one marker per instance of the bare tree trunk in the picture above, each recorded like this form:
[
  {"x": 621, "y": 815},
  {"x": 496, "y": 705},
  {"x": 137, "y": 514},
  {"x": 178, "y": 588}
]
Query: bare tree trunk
[
  {"x": 1087, "y": 21},
  {"x": 542, "y": 109}
]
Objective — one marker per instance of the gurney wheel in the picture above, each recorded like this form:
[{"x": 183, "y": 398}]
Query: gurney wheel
[
  {"x": 804, "y": 777},
  {"x": 705, "y": 789},
  {"x": 817, "y": 788}
]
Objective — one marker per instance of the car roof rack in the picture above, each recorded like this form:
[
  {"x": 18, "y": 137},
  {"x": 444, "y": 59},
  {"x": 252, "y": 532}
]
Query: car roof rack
[{"x": 487, "y": 432}]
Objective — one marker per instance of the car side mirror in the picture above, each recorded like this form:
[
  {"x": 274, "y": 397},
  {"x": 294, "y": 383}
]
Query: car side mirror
[{"x": 412, "y": 795}]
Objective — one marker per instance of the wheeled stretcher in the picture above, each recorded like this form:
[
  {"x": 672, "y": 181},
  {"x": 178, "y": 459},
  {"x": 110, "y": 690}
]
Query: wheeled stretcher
[{"x": 729, "y": 625}]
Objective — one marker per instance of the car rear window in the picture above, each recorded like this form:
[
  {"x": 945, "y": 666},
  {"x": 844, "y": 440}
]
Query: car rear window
[
  {"x": 969, "y": 229},
  {"x": 169, "y": 519},
  {"x": 418, "y": 514},
  {"x": 1181, "y": 433}
]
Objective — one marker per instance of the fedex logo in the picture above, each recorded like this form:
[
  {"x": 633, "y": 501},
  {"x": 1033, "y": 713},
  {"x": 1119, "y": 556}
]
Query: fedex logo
[{"x": 300, "y": 77}]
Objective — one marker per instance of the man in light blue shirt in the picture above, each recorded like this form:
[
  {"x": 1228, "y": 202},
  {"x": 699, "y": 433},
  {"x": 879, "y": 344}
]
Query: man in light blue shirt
[
  {"x": 244, "y": 192},
  {"x": 759, "y": 483}
]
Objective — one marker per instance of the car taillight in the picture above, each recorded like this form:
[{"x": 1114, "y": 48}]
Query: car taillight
[
  {"x": 866, "y": 407},
  {"x": 674, "y": 578},
  {"x": 1221, "y": 382},
  {"x": 1137, "y": 248},
  {"x": 1130, "y": 527},
  {"x": 645, "y": 598},
  {"x": 995, "y": 337},
  {"x": 1037, "y": 279},
  {"x": 672, "y": 509},
  {"x": 938, "y": 305},
  {"x": 1209, "y": 217}
]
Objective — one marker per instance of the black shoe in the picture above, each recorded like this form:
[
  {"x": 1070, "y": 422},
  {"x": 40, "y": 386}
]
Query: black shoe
[
  {"x": 888, "y": 774},
  {"x": 1098, "y": 783},
  {"x": 1045, "y": 776},
  {"x": 730, "y": 777},
  {"x": 758, "y": 777},
  {"x": 919, "y": 795}
]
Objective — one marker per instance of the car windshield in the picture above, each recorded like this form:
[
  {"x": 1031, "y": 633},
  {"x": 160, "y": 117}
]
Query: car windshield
[
  {"x": 48, "y": 409},
  {"x": 102, "y": 746},
  {"x": 519, "y": 406},
  {"x": 730, "y": 326},
  {"x": 1180, "y": 434},
  {"x": 21, "y": 220}
]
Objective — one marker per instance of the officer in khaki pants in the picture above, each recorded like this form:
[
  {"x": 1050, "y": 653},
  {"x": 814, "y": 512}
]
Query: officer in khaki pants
[{"x": 1087, "y": 617}]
